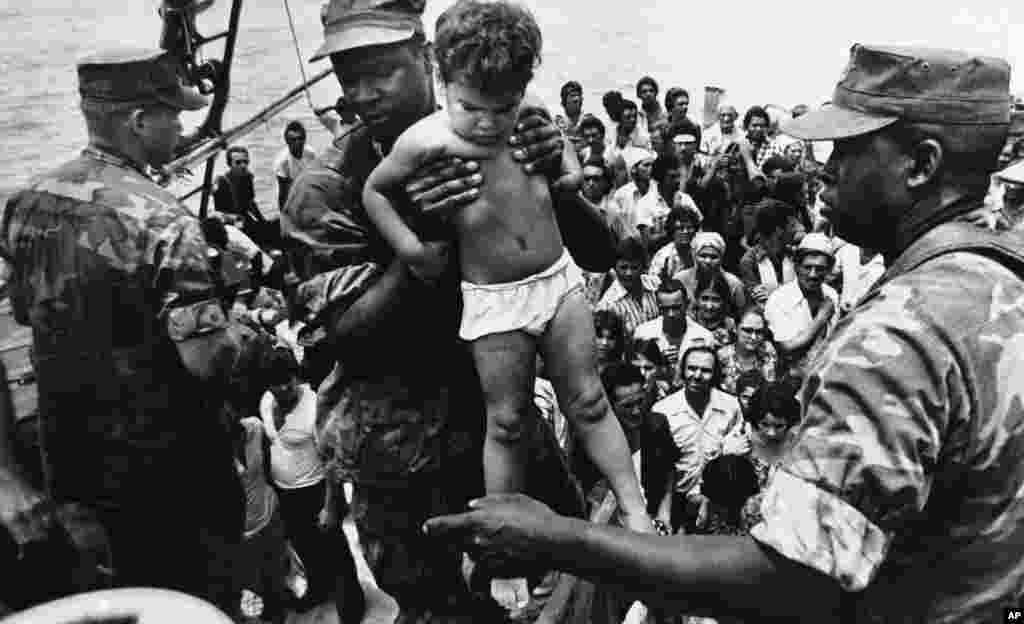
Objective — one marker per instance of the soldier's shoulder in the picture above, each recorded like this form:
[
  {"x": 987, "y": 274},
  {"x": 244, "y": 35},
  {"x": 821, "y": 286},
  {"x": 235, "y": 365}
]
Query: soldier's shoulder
[
  {"x": 957, "y": 284},
  {"x": 101, "y": 188},
  {"x": 347, "y": 154}
]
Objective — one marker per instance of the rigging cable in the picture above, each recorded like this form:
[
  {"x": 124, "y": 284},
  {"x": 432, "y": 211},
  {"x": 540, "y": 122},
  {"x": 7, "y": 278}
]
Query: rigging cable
[{"x": 298, "y": 55}]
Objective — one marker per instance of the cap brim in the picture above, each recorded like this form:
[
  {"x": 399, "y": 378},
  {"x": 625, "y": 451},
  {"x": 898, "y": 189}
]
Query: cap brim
[
  {"x": 359, "y": 36},
  {"x": 1014, "y": 173},
  {"x": 186, "y": 98},
  {"x": 832, "y": 122}
]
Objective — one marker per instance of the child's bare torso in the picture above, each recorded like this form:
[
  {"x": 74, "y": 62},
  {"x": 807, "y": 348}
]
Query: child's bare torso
[{"x": 510, "y": 232}]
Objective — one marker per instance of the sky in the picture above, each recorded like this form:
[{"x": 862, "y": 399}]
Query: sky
[{"x": 769, "y": 52}]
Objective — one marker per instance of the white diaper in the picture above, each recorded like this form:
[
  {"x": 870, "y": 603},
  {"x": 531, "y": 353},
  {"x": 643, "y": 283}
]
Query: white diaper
[{"x": 526, "y": 305}]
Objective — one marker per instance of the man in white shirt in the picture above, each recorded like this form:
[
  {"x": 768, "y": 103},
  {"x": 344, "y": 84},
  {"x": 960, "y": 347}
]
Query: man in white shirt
[
  {"x": 717, "y": 137},
  {"x": 288, "y": 412},
  {"x": 802, "y": 313},
  {"x": 705, "y": 422},
  {"x": 670, "y": 330},
  {"x": 653, "y": 208},
  {"x": 290, "y": 161},
  {"x": 625, "y": 200}
]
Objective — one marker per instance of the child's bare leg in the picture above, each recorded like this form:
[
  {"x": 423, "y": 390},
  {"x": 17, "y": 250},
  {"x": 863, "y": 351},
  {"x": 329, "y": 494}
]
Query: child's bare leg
[
  {"x": 505, "y": 363},
  {"x": 570, "y": 357}
]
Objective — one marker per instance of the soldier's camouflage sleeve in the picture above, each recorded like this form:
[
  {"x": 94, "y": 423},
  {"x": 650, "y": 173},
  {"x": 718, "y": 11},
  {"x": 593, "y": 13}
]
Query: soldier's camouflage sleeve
[
  {"x": 191, "y": 304},
  {"x": 339, "y": 261},
  {"x": 876, "y": 403}
]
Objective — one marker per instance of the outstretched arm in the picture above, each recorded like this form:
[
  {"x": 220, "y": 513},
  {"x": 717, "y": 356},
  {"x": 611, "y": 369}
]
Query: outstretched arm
[{"x": 713, "y": 575}]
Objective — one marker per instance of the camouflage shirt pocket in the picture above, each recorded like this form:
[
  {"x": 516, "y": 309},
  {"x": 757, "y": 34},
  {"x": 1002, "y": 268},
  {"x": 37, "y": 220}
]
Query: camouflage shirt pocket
[{"x": 385, "y": 440}]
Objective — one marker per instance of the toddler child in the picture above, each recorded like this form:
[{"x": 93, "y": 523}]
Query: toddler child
[{"x": 521, "y": 289}]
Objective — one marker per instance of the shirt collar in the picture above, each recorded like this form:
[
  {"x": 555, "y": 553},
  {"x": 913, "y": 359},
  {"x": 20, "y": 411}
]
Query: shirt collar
[
  {"x": 618, "y": 292},
  {"x": 111, "y": 158}
]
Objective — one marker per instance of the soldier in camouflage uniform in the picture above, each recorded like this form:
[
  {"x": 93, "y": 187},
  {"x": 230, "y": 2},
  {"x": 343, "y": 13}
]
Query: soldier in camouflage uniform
[
  {"x": 131, "y": 342},
  {"x": 903, "y": 498},
  {"x": 401, "y": 414}
]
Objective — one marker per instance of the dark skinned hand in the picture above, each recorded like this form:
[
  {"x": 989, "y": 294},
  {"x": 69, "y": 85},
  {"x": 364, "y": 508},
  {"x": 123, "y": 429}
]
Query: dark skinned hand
[
  {"x": 499, "y": 527},
  {"x": 443, "y": 186}
]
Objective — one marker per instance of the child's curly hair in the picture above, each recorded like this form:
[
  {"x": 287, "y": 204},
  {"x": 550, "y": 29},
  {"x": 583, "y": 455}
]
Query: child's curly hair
[{"x": 492, "y": 46}]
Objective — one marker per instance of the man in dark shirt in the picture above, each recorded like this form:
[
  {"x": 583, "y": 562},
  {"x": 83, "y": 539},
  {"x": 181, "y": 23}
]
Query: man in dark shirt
[{"x": 234, "y": 194}]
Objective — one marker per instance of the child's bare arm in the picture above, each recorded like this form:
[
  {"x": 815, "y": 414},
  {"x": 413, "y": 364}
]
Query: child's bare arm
[{"x": 411, "y": 150}]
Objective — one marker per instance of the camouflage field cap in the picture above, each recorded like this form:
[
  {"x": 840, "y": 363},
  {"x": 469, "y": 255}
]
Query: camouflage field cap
[
  {"x": 357, "y": 23},
  {"x": 134, "y": 76},
  {"x": 881, "y": 85}
]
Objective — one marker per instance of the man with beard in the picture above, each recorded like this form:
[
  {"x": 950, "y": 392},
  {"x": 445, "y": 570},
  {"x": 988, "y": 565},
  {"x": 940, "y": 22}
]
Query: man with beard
[
  {"x": 900, "y": 500},
  {"x": 386, "y": 421},
  {"x": 671, "y": 330}
]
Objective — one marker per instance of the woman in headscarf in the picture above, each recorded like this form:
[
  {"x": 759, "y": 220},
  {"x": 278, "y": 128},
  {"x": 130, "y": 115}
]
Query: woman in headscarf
[{"x": 708, "y": 250}]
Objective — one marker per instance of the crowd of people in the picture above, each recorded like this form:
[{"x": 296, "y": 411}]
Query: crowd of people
[{"x": 627, "y": 301}]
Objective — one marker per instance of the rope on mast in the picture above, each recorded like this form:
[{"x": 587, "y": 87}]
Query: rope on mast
[{"x": 298, "y": 55}]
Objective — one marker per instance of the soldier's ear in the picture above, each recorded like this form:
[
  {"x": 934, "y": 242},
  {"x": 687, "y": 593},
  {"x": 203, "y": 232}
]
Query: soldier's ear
[{"x": 927, "y": 157}]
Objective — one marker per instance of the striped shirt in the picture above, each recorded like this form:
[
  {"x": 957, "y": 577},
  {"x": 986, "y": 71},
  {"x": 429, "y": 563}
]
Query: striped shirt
[{"x": 631, "y": 310}]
